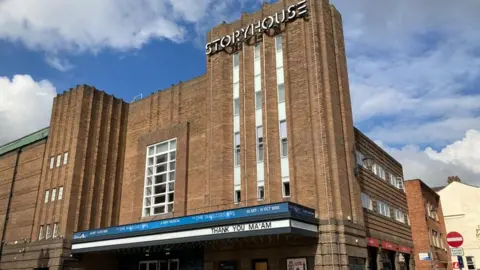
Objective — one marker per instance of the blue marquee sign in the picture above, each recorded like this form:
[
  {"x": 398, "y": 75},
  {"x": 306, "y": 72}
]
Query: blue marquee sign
[{"x": 199, "y": 219}]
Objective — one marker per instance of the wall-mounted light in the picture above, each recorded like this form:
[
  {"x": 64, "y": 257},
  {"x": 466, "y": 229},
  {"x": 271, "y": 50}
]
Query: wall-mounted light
[{"x": 368, "y": 161}]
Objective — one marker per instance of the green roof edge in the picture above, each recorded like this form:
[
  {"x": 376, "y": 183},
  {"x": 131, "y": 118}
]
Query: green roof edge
[{"x": 26, "y": 140}]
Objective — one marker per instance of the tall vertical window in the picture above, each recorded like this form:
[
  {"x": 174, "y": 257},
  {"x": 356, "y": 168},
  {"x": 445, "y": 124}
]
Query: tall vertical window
[
  {"x": 65, "y": 158},
  {"x": 48, "y": 234},
  {"x": 236, "y": 106},
  {"x": 260, "y": 144},
  {"x": 283, "y": 139},
  {"x": 159, "y": 193},
  {"x": 286, "y": 188},
  {"x": 235, "y": 60},
  {"x": 40, "y": 233},
  {"x": 52, "y": 162},
  {"x": 55, "y": 230},
  {"x": 54, "y": 193},
  {"x": 366, "y": 201},
  {"x": 47, "y": 193},
  {"x": 60, "y": 193},
  {"x": 59, "y": 160},
  {"x": 237, "y": 149}
]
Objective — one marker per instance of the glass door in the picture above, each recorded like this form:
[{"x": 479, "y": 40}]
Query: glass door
[
  {"x": 148, "y": 265},
  {"x": 173, "y": 264}
]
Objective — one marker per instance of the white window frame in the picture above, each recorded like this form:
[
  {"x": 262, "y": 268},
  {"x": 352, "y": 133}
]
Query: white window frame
[
  {"x": 59, "y": 160},
  {"x": 60, "y": 193},
  {"x": 65, "y": 158},
  {"x": 399, "y": 215},
  {"x": 55, "y": 230},
  {"x": 47, "y": 196},
  {"x": 161, "y": 163},
  {"x": 48, "y": 233},
  {"x": 40, "y": 233},
  {"x": 52, "y": 162},
  {"x": 399, "y": 181},
  {"x": 54, "y": 193},
  {"x": 383, "y": 208},
  {"x": 367, "y": 201},
  {"x": 261, "y": 192}
]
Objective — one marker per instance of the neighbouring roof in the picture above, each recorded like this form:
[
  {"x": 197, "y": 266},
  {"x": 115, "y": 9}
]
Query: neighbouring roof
[
  {"x": 437, "y": 189},
  {"x": 26, "y": 140}
]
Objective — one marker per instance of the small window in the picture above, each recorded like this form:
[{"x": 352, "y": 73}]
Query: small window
[
  {"x": 65, "y": 158},
  {"x": 40, "y": 233},
  {"x": 359, "y": 157},
  {"x": 399, "y": 216},
  {"x": 59, "y": 160},
  {"x": 47, "y": 193},
  {"x": 235, "y": 60},
  {"x": 383, "y": 208},
  {"x": 278, "y": 43},
  {"x": 55, "y": 230},
  {"x": 54, "y": 193},
  {"x": 52, "y": 162},
  {"x": 237, "y": 149},
  {"x": 258, "y": 100},
  {"x": 366, "y": 201},
  {"x": 260, "y": 144},
  {"x": 238, "y": 196},
  {"x": 283, "y": 139},
  {"x": 261, "y": 193},
  {"x": 281, "y": 93},
  {"x": 286, "y": 189},
  {"x": 60, "y": 193},
  {"x": 236, "y": 106},
  {"x": 256, "y": 51},
  {"x": 400, "y": 183},
  {"x": 49, "y": 232}
]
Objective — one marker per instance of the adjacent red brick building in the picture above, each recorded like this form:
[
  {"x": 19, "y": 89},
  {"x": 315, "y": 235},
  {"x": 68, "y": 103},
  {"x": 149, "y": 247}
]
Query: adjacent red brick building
[
  {"x": 254, "y": 165},
  {"x": 428, "y": 226}
]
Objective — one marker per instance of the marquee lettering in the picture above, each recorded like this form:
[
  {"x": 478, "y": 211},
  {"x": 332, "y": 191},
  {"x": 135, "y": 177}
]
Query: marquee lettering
[{"x": 263, "y": 26}]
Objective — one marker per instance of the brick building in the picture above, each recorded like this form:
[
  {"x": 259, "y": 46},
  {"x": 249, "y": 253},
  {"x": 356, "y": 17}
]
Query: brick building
[
  {"x": 254, "y": 165},
  {"x": 428, "y": 226}
]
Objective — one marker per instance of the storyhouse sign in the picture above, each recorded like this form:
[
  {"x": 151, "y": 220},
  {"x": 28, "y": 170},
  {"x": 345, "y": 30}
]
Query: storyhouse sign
[{"x": 240, "y": 36}]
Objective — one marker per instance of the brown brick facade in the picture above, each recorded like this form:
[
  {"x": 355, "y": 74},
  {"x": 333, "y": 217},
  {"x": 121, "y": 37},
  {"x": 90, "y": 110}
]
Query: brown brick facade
[
  {"x": 420, "y": 197},
  {"x": 107, "y": 139}
]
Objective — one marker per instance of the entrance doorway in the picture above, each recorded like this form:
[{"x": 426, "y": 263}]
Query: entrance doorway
[
  {"x": 260, "y": 265},
  {"x": 172, "y": 264}
]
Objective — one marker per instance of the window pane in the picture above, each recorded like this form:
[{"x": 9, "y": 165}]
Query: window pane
[
  {"x": 160, "y": 189},
  {"x": 159, "y": 210},
  {"x": 256, "y": 50},
  {"x": 162, "y": 178},
  {"x": 235, "y": 59},
  {"x": 151, "y": 150},
  {"x": 261, "y": 193},
  {"x": 286, "y": 189},
  {"x": 283, "y": 129},
  {"x": 161, "y": 168},
  {"x": 173, "y": 144},
  {"x": 161, "y": 159},
  {"x": 259, "y": 133},
  {"x": 237, "y": 139},
  {"x": 237, "y": 157},
  {"x": 171, "y": 186},
  {"x": 161, "y": 148},
  {"x": 148, "y": 191},
  {"x": 172, "y": 165},
  {"x": 170, "y": 208},
  {"x": 148, "y": 201},
  {"x": 236, "y": 106},
  {"x": 172, "y": 155},
  {"x": 60, "y": 193},
  {"x": 149, "y": 181},
  {"x": 260, "y": 153},
  {"x": 150, "y": 161},
  {"x": 258, "y": 100},
  {"x": 281, "y": 92},
  {"x": 159, "y": 199},
  {"x": 47, "y": 194},
  {"x": 284, "y": 149},
  {"x": 150, "y": 171},
  {"x": 278, "y": 43},
  {"x": 146, "y": 212},
  {"x": 258, "y": 83},
  {"x": 170, "y": 197},
  {"x": 171, "y": 176}
]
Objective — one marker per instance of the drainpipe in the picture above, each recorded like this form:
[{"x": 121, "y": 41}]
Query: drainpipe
[{"x": 9, "y": 203}]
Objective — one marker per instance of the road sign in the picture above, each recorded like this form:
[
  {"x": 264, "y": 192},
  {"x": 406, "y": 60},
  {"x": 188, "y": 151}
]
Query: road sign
[
  {"x": 454, "y": 239},
  {"x": 456, "y": 251},
  {"x": 455, "y": 265}
]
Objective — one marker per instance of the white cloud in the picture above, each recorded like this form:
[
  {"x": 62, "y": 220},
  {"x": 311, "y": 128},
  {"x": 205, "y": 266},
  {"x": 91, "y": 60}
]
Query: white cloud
[
  {"x": 25, "y": 106},
  {"x": 414, "y": 68},
  {"x": 60, "y": 64},
  {"x": 92, "y": 25},
  {"x": 461, "y": 158}
]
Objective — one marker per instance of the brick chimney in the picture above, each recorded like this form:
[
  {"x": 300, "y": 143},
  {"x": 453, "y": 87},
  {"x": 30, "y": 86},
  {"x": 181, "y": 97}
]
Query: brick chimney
[{"x": 453, "y": 179}]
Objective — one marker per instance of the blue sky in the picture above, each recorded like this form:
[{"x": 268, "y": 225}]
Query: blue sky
[{"x": 414, "y": 66}]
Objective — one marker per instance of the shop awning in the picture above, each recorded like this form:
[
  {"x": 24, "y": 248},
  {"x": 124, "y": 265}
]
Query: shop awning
[{"x": 271, "y": 219}]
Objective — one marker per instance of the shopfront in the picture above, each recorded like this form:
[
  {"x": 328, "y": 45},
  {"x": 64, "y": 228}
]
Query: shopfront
[
  {"x": 384, "y": 255},
  {"x": 217, "y": 240}
]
